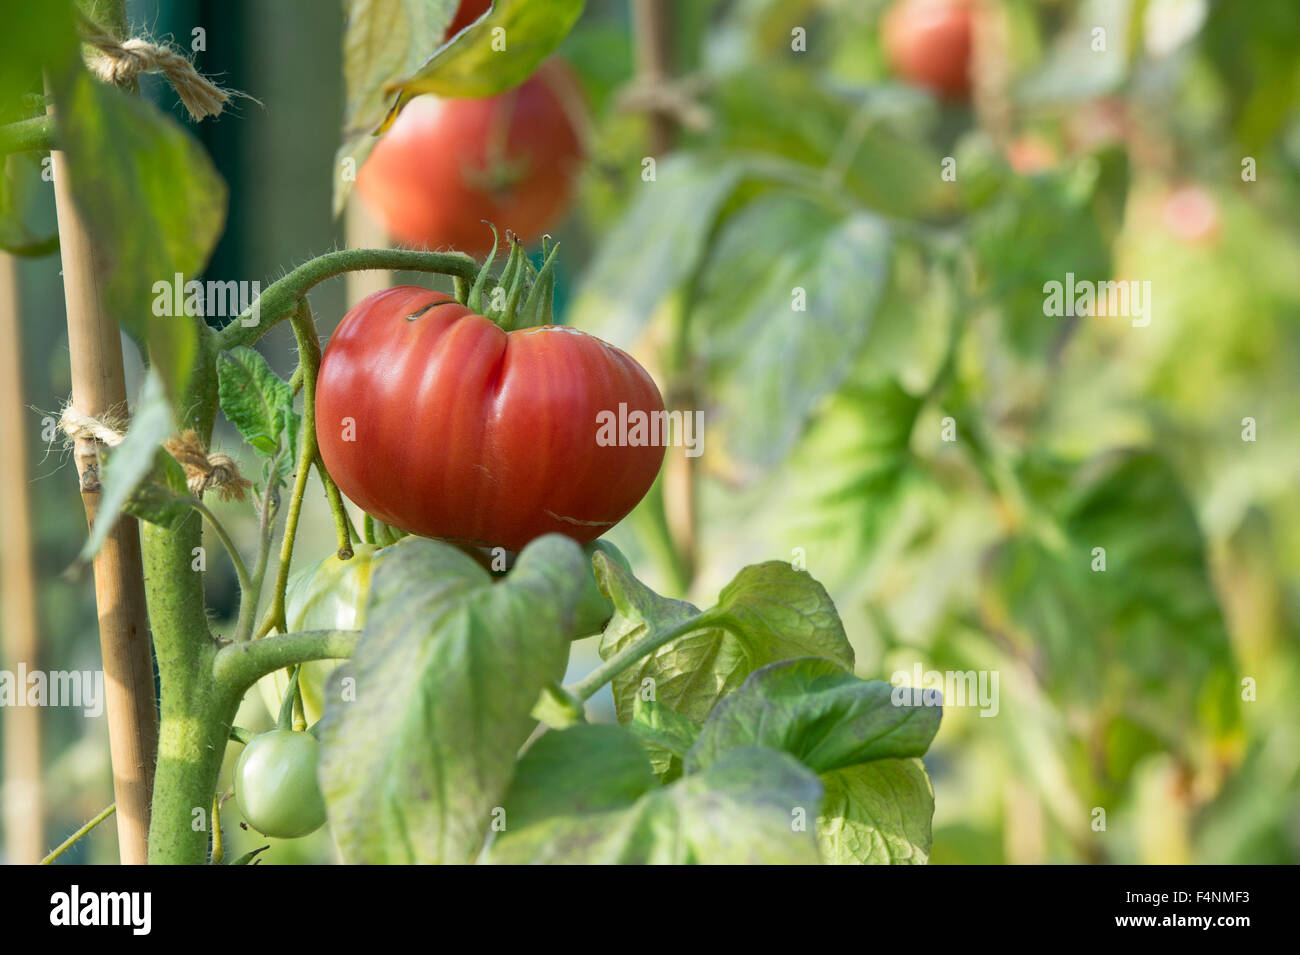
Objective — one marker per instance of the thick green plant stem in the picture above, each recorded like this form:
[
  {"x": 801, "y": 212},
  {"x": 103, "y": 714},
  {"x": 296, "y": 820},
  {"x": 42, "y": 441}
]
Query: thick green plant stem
[{"x": 281, "y": 298}]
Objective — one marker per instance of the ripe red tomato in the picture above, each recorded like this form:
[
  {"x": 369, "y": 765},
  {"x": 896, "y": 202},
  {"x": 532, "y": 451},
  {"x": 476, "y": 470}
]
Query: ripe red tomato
[
  {"x": 467, "y": 13},
  {"x": 928, "y": 42},
  {"x": 434, "y": 420},
  {"x": 447, "y": 165}
]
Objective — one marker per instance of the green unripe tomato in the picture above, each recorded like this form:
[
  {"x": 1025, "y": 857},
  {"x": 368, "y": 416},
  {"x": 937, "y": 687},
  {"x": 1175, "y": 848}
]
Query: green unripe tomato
[
  {"x": 275, "y": 784},
  {"x": 330, "y": 595},
  {"x": 594, "y": 608}
]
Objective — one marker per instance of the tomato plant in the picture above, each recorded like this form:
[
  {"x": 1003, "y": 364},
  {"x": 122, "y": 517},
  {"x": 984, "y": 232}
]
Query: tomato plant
[
  {"x": 447, "y": 165},
  {"x": 659, "y": 552},
  {"x": 440, "y": 422},
  {"x": 275, "y": 784}
]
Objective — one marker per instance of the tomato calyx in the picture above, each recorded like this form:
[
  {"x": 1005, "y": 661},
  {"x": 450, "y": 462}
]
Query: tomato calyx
[{"x": 521, "y": 297}]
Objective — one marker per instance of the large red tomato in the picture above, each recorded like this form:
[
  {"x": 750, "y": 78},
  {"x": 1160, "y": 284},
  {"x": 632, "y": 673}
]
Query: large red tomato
[
  {"x": 447, "y": 165},
  {"x": 928, "y": 42},
  {"x": 434, "y": 420}
]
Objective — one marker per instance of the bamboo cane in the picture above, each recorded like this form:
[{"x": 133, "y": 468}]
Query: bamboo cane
[
  {"x": 24, "y": 821},
  {"x": 98, "y": 386}
]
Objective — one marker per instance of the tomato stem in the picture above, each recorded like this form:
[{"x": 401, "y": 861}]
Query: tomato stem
[
  {"x": 585, "y": 688},
  {"x": 280, "y": 298},
  {"x": 72, "y": 839},
  {"x": 237, "y": 666},
  {"x": 266, "y": 530},
  {"x": 309, "y": 353}
]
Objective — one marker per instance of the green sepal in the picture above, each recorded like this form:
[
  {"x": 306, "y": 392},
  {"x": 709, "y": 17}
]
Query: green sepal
[
  {"x": 537, "y": 307},
  {"x": 474, "y": 301}
]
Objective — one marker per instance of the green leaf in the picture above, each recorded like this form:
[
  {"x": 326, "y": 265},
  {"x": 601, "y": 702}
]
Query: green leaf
[
  {"x": 614, "y": 774},
  {"x": 132, "y": 461},
  {"x": 384, "y": 41},
  {"x": 37, "y": 37},
  {"x": 655, "y": 247},
  {"x": 777, "y": 364},
  {"x": 1073, "y": 71},
  {"x": 446, "y": 674},
  {"x": 586, "y": 795},
  {"x": 153, "y": 202},
  {"x": 667, "y": 736},
  {"x": 1109, "y": 639},
  {"x": 471, "y": 66},
  {"x": 862, "y": 741},
  {"x": 877, "y": 813},
  {"x": 255, "y": 400},
  {"x": 769, "y": 612},
  {"x": 871, "y": 146},
  {"x": 818, "y": 712},
  {"x": 1043, "y": 227}
]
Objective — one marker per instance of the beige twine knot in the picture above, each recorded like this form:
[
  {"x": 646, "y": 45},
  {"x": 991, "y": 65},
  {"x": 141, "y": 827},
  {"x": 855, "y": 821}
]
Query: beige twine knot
[
  {"x": 107, "y": 431},
  {"x": 203, "y": 471},
  {"x": 124, "y": 60}
]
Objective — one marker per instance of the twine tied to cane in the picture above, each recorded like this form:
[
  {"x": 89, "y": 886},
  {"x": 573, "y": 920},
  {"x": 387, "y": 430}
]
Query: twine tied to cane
[
  {"x": 203, "y": 471},
  {"x": 121, "y": 61}
]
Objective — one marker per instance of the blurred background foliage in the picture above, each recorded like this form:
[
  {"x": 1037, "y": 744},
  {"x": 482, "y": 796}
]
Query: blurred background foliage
[{"x": 1157, "y": 690}]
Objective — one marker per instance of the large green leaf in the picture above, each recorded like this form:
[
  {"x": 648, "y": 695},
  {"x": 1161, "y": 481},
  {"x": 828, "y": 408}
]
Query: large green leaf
[
  {"x": 655, "y": 247},
  {"x": 771, "y": 364},
  {"x": 1110, "y": 638},
  {"x": 1251, "y": 46},
  {"x": 446, "y": 673},
  {"x": 818, "y": 712},
  {"x": 853, "y": 732},
  {"x": 586, "y": 795},
  {"x": 1074, "y": 70},
  {"x": 155, "y": 206},
  {"x": 877, "y": 813},
  {"x": 1043, "y": 227},
  {"x": 472, "y": 64},
  {"x": 872, "y": 150},
  {"x": 769, "y": 612}
]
